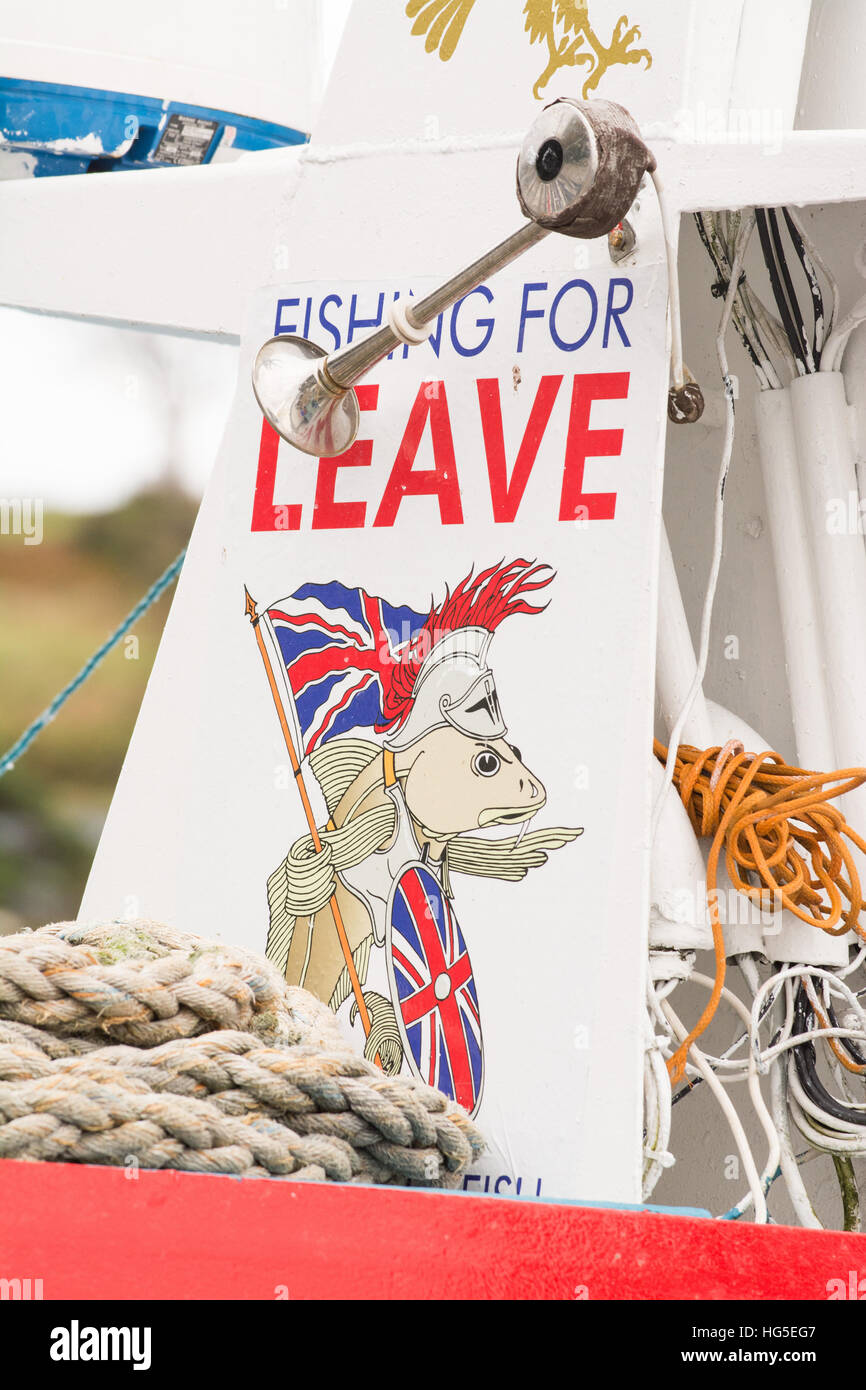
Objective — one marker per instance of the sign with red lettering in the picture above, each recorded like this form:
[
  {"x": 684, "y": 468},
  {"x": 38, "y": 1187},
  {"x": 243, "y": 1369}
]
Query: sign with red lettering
[
  {"x": 424, "y": 463},
  {"x": 394, "y": 724}
]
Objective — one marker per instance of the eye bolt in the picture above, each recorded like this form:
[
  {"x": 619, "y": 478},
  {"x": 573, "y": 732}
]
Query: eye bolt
[{"x": 548, "y": 161}]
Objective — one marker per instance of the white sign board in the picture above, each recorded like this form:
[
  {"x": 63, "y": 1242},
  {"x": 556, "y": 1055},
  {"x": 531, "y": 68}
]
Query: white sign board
[{"x": 450, "y": 629}]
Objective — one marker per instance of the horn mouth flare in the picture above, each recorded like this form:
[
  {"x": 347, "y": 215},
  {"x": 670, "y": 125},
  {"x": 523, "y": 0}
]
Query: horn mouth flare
[{"x": 299, "y": 399}]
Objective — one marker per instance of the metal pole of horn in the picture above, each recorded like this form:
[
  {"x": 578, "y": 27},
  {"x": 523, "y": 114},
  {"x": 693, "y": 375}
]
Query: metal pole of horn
[
  {"x": 578, "y": 172},
  {"x": 347, "y": 366}
]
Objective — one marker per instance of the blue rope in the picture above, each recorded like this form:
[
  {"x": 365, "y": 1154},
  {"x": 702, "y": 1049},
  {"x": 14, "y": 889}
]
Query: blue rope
[
  {"x": 8, "y": 761},
  {"x": 734, "y": 1213}
]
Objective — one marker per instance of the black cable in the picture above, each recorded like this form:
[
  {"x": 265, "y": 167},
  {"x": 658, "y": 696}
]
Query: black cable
[
  {"x": 807, "y": 1072},
  {"x": 782, "y": 260},
  {"x": 708, "y": 245},
  {"x": 788, "y": 324},
  {"x": 720, "y": 289},
  {"x": 811, "y": 274}
]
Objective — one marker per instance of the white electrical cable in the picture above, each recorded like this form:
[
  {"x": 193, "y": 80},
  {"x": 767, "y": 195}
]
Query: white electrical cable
[
  {"x": 740, "y": 1065},
  {"x": 761, "y": 315},
  {"x": 824, "y": 1135},
  {"x": 651, "y": 1121},
  {"x": 814, "y": 1035},
  {"x": 831, "y": 358},
  {"x": 718, "y": 536},
  {"x": 818, "y": 1007},
  {"x": 754, "y": 1178},
  {"x": 792, "y": 972},
  {"x": 657, "y": 1094},
  {"x": 758, "y": 313},
  {"x": 824, "y": 1118},
  {"x": 757, "y": 1099},
  {"x": 824, "y": 1132},
  {"x": 791, "y": 1176},
  {"x": 819, "y": 1138},
  {"x": 739, "y": 1008},
  {"x": 677, "y": 366},
  {"x": 660, "y": 989},
  {"x": 727, "y": 1059},
  {"x": 657, "y": 1155},
  {"x": 840, "y": 1077},
  {"x": 750, "y": 313},
  {"x": 815, "y": 255},
  {"x": 827, "y": 1133}
]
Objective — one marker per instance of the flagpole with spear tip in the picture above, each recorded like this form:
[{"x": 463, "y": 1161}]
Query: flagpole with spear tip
[{"x": 363, "y": 1011}]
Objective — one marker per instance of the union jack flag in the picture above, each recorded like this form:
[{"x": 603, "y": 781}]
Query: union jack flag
[
  {"x": 335, "y": 645},
  {"x": 434, "y": 988}
]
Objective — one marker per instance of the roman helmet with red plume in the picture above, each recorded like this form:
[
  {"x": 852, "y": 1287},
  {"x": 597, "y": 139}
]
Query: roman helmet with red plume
[{"x": 441, "y": 676}]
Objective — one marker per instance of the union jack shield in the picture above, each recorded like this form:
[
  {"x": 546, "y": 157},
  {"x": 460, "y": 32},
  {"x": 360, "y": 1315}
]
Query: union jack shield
[{"x": 433, "y": 988}]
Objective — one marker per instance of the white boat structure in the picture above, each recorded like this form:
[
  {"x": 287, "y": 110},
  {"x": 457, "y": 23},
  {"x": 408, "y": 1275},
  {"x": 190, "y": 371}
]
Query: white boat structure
[{"x": 723, "y": 199}]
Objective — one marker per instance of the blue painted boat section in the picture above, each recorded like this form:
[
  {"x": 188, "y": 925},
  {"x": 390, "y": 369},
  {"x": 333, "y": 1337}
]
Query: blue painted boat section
[
  {"x": 648, "y": 1207},
  {"x": 75, "y": 130}
]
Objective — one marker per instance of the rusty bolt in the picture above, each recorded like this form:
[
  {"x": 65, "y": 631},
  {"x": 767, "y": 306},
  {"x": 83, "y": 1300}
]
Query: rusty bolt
[{"x": 685, "y": 403}]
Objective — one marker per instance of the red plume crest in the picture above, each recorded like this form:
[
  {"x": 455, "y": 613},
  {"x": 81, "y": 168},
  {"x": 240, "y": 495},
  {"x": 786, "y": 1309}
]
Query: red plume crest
[{"x": 485, "y": 601}]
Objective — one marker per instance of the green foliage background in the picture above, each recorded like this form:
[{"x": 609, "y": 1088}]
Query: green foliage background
[{"x": 58, "y": 602}]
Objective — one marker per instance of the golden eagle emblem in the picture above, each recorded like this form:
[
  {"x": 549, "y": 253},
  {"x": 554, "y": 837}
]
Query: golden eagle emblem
[{"x": 563, "y": 25}]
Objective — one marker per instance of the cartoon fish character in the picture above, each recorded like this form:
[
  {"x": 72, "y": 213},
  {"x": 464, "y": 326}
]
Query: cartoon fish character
[{"x": 404, "y": 812}]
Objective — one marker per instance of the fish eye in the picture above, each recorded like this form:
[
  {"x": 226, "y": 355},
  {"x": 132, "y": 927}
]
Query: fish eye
[
  {"x": 517, "y": 753},
  {"x": 486, "y": 763}
]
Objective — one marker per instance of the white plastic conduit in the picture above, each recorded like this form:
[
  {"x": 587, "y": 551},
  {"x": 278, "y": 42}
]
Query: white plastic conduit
[
  {"x": 675, "y": 657},
  {"x": 795, "y": 580},
  {"x": 825, "y": 444}
]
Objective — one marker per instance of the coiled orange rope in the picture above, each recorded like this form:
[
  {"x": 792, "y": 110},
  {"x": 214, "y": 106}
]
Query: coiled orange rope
[{"x": 785, "y": 844}]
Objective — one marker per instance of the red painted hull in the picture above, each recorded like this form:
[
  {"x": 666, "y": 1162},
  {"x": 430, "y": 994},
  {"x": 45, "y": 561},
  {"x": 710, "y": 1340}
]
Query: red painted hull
[{"x": 95, "y": 1233}]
